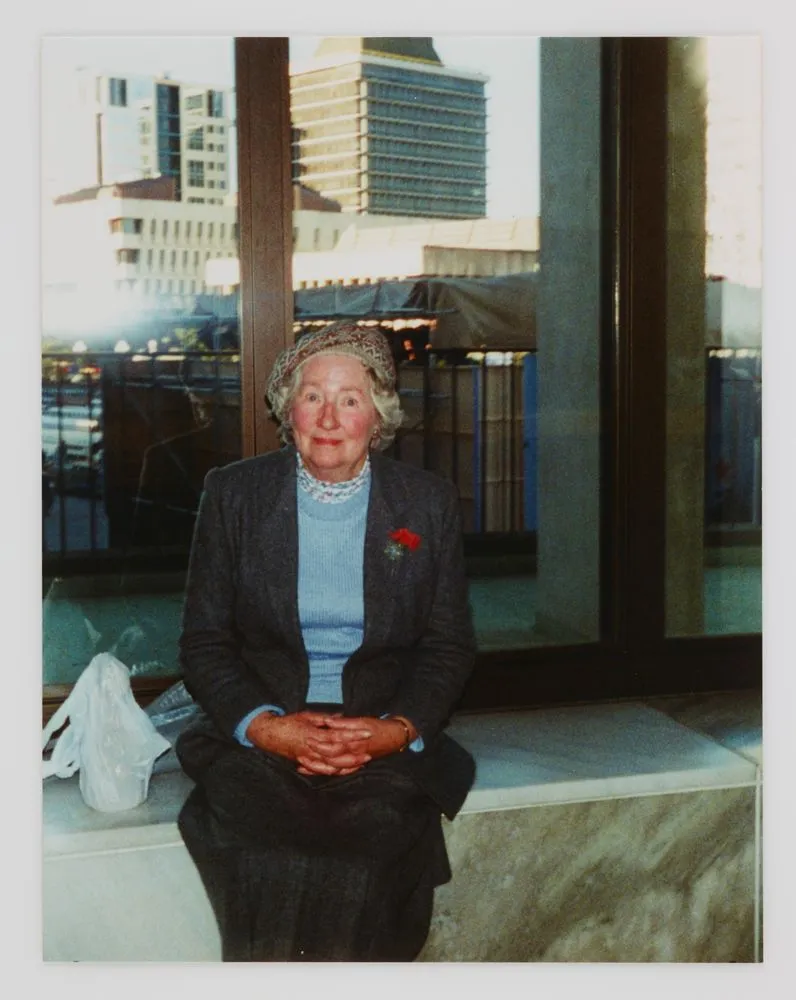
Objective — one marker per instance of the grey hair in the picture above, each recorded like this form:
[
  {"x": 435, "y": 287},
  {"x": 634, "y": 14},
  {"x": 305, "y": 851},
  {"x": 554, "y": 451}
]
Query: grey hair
[{"x": 386, "y": 401}]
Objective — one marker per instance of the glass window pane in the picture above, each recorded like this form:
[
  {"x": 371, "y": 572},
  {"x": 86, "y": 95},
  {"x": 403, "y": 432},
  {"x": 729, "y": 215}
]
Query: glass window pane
[
  {"x": 714, "y": 275},
  {"x": 140, "y": 346},
  {"x": 424, "y": 170}
]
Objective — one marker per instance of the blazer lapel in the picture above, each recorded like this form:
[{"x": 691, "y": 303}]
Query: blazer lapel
[
  {"x": 279, "y": 538},
  {"x": 379, "y": 569}
]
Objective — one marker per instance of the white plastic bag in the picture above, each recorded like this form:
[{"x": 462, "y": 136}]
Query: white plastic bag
[{"x": 109, "y": 737}]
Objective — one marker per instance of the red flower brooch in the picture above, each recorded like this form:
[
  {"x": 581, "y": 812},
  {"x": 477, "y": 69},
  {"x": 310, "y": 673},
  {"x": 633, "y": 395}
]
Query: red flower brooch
[{"x": 400, "y": 540}]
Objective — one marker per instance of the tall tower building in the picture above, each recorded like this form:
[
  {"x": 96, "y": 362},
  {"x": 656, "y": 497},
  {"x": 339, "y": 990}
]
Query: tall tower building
[
  {"x": 382, "y": 127},
  {"x": 126, "y": 128}
]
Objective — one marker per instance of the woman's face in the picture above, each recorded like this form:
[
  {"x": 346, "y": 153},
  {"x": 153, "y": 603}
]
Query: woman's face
[{"x": 333, "y": 416}]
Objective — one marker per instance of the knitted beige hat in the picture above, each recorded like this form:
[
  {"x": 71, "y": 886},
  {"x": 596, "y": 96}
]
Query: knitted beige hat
[{"x": 367, "y": 344}]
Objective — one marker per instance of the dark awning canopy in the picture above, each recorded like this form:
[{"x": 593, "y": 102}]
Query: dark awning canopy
[
  {"x": 471, "y": 313},
  {"x": 385, "y": 300}
]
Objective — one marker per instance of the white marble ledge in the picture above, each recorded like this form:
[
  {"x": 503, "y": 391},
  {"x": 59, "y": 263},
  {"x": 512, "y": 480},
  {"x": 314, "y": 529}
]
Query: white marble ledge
[
  {"x": 732, "y": 718},
  {"x": 592, "y": 752},
  {"x": 528, "y": 758},
  {"x": 70, "y": 827}
]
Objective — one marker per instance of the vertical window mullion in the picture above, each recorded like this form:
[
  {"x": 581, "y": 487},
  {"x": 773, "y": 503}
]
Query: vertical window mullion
[
  {"x": 265, "y": 210},
  {"x": 641, "y": 346}
]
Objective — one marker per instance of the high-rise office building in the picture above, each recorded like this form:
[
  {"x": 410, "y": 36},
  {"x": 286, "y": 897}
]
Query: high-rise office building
[
  {"x": 382, "y": 127},
  {"x": 125, "y": 128}
]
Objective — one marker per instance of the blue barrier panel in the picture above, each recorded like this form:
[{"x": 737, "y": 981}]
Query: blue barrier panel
[
  {"x": 478, "y": 512},
  {"x": 733, "y": 436},
  {"x": 530, "y": 442}
]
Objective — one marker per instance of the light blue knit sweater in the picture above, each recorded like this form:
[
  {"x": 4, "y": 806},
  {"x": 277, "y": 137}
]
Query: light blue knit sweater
[
  {"x": 331, "y": 555},
  {"x": 330, "y": 587}
]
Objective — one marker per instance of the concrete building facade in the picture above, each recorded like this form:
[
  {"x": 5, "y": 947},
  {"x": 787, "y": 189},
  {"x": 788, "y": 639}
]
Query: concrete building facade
[
  {"x": 421, "y": 248},
  {"x": 382, "y": 127},
  {"x": 137, "y": 239},
  {"x": 122, "y": 128},
  {"x": 110, "y": 252}
]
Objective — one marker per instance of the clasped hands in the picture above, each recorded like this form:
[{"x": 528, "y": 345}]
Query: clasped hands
[{"x": 330, "y": 745}]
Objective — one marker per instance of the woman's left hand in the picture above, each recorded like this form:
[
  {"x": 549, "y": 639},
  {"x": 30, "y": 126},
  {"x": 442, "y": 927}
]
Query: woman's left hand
[{"x": 387, "y": 736}]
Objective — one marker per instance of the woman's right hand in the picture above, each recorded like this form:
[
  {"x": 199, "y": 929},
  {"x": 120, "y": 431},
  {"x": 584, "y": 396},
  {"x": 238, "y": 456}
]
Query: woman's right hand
[{"x": 304, "y": 738}]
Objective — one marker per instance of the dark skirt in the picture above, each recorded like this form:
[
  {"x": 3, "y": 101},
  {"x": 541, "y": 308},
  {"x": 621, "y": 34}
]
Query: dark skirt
[{"x": 309, "y": 868}]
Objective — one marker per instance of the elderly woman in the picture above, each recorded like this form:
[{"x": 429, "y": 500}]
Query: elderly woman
[{"x": 326, "y": 637}]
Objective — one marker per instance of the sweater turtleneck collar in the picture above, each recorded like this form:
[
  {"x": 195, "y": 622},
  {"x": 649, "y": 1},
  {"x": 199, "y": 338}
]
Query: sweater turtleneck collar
[{"x": 331, "y": 492}]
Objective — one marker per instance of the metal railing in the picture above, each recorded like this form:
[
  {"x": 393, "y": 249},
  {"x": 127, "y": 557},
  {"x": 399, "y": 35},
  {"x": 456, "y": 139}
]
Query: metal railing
[
  {"x": 126, "y": 442},
  {"x": 128, "y": 439}
]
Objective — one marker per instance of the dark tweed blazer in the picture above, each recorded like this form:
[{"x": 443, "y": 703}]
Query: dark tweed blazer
[{"x": 241, "y": 643}]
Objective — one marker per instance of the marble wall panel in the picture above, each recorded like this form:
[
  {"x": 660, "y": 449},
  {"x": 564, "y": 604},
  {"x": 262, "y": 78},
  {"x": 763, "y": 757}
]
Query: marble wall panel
[
  {"x": 668, "y": 878},
  {"x": 140, "y": 905}
]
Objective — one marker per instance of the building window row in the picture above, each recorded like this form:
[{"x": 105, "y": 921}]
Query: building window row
[
  {"x": 133, "y": 226},
  {"x": 167, "y": 99},
  {"x": 437, "y": 81},
  {"x": 117, "y": 92},
  {"x": 428, "y": 150},
  {"x": 209, "y": 103},
  {"x": 178, "y": 286},
  {"x": 401, "y": 112},
  {"x": 169, "y": 141},
  {"x": 127, "y": 256},
  {"x": 420, "y": 205},
  {"x": 427, "y": 96},
  {"x": 448, "y": 187},
  {"x": 189, "y": 259},
  {"x": 427, "y": 168},
  {"x": 174, "y": 229},
  {"x": 196, "y": 173},
  {"x": 428, "y": 132},
  {"x": 215, "y": 104}
]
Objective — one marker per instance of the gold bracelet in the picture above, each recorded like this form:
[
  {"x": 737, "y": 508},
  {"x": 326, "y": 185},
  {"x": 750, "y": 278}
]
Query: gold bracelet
[{"x": 394, "y": 718}]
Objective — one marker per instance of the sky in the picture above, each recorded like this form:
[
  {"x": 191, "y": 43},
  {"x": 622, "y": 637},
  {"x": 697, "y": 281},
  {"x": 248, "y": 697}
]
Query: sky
[{"x": 510, "y": 62}]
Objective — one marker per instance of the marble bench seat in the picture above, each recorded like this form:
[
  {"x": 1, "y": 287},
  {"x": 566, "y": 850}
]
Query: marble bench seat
[{"x": 596, "y": 833}]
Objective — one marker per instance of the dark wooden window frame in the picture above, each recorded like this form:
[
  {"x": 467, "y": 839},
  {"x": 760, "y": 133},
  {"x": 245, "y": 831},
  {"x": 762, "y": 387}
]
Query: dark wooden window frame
[{"x": 634, "y": 657}]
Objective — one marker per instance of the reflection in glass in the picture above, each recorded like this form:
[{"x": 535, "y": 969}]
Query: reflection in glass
[
  {"x": 714, "y": 509},
  {"x": 416, "y": 166},
  {"x": 140, "y": 343}
]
